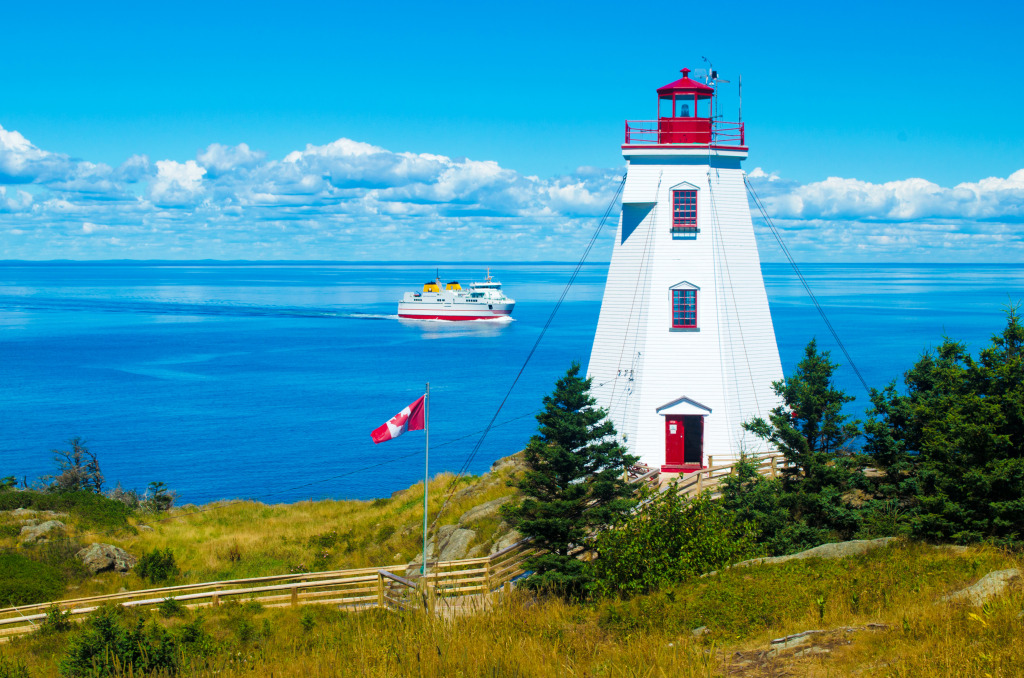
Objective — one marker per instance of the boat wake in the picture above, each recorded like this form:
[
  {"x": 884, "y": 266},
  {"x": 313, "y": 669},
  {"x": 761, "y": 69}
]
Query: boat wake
[{"x": 174, "y": 308}]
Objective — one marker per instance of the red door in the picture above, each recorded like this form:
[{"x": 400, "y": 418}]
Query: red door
[{"x": 675, "y": 440}]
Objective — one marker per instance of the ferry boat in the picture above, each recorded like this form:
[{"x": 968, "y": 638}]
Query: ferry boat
[{"x": 482, "y": 301}]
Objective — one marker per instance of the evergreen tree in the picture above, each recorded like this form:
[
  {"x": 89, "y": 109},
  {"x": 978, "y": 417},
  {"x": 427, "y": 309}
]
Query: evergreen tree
[
  {"x": 811, "y": 431},
  {"x": 952, "y": 447},
  {"x": 574, "y": 484}
]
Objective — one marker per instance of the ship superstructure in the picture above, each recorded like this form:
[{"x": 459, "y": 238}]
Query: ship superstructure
[{"x": 482, "y": 301}]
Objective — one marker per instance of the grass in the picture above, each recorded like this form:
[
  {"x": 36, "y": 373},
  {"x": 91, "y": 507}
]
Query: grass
[
  {"x": 233, "y": 540},
  {"x": 900, "y": 586}
]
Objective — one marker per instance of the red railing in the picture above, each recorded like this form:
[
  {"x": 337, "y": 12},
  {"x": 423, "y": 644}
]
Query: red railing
[{"x": 649, "y": 132}]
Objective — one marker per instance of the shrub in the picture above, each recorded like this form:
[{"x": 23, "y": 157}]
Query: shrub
[
  {"x": 116, "y": 642},
  {"x": 95, "y": 510},
  {"x": 56, "y": 621},
  {"x": 13, "y": 668},
  {"x": 670, "y": 540},
  {"x": 157, "y": 566},
  {"x": 307, "y": 621},
  {"x": 159, "y": 498},
  {"x": 171, "y": 607},
  {"x": 24, "y": 581},
  {"x": 78, "y": 469}
]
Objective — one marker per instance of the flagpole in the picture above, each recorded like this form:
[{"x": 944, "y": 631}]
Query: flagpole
[{"x": 426, "y": 473}]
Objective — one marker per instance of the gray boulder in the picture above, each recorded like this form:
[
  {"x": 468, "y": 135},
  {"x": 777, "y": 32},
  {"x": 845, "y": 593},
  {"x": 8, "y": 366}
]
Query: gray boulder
[
  {"x": 485, "y": 510},
  {"x": 450, "y": 543},
  {"x": 989, "y": 586},
  {"x": 508, "y": 539},
  {"x": 104, "y": 557},
  {"x": 842, "y": 549},
  {"x": 37, "y": 534}
]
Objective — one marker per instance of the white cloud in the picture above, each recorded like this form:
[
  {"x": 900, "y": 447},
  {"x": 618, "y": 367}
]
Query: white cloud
[
  {"x": 219, "y": 159},
  {"x": 177, "y": 183},
  {"x": 350, "y": 200}
]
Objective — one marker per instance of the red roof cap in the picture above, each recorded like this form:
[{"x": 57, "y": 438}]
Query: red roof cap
[{"x": 685, "y": 85}]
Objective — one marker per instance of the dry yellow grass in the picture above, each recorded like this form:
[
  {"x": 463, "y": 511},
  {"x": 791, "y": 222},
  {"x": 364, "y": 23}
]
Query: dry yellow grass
[{"x": 239, "y": 539}]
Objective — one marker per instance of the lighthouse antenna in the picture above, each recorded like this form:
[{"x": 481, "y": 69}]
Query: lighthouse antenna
[{"x": 741, "y": 98}]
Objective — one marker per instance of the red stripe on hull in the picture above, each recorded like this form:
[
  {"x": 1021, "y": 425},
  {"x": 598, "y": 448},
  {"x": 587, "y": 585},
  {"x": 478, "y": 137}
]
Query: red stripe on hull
[{"x": 455, "y": 317}]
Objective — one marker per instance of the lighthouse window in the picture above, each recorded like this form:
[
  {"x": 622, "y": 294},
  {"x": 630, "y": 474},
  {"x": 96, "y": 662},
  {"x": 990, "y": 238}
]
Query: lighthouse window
[
  {"x": 684, "y": 308},
  {"x": 684, "y": 209}
]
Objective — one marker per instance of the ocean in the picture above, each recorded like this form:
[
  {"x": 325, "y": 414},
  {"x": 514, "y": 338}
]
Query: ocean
[{"x": 263, "y": 381}]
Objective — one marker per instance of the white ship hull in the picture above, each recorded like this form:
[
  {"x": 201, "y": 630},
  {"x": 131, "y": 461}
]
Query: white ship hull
[
  {"x": 482, "y": 301},
  {"x": 440, "y": 311}
]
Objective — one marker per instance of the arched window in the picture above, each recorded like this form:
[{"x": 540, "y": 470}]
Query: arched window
[{"x": 684, "y": 306}]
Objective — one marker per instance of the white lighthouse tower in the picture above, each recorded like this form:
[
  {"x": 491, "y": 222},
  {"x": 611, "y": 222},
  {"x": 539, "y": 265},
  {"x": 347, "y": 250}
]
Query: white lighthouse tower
[{"x": 685, "y": 350}]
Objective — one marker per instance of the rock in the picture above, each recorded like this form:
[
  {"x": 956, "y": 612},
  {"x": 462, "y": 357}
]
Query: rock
[
  {"x": 30, "y": 521},
  {"x": 450, "y": 543},
  {"x": 476, "y": 551},
  {"x": 104, "y": 557},
  {"x": 33, "y": 534},
  {"x": 144, "y": 528},
  {"x": 812, "y": 650},
  {"x": 508, "y": 539},
  {"x": 992, "y": 584},
  {"x": 511, "y": 462},
  {"x": 700, "y": 631},
  {"x": 485, "y": 510},
  {"x": 842, "y": 549}
]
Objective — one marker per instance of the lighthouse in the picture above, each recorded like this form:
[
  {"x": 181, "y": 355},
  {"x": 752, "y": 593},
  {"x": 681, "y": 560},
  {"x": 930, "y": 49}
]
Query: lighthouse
[{"x": 685, "y": 350}]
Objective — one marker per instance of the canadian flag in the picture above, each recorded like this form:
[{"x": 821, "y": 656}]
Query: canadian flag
[{"x": 409, "y": 419}]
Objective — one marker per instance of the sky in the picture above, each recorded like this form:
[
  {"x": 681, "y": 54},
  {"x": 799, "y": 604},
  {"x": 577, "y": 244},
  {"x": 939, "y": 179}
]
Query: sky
[{"x": 476, "y": 131}]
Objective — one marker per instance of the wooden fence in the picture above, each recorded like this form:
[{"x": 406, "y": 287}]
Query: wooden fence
[
  {"x": 359, "y": 589},
  {"x": 447, "y": 587}
]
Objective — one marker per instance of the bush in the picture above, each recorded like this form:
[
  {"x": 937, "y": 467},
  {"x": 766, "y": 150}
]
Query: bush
[
  {"x": 159, "y": 498},
  {"x": 670, "y": 540},
  {"x": 13, "y": 668},
  {"x": 116, "y": 642},
  {"x": 171, "y": 607},
  {"x": 157, "y": 566},
  {"x": 95, "y": 510},
  {"x": 56, "y": 621},
  {"x": 24, "y": 581}
]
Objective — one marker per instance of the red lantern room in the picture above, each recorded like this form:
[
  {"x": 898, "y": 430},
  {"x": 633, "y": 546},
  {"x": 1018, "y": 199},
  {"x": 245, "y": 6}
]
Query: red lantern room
[
  {"x": 686, "y": 118},
  {"x": 684, "y": 111}
]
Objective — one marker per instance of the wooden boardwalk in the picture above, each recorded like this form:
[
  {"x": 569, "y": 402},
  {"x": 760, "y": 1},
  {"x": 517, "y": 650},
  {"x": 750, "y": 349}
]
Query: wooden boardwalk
[{"x": 449, "y": 588}]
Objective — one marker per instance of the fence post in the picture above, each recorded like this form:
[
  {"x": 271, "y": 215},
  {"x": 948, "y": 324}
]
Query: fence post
[
  {"x": 215, "y": 600},
  {"x": 295, "y": 596},
  {"x": 487, "y": 575},
  {"x": 711, "y": 461},
  {"x": 380, "y": 590},
  {"x": 700, "y": 481},
  {"x": 772, "y": 460}
]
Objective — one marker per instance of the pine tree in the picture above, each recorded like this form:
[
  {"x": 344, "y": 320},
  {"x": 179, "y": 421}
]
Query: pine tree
[
  {"x": 811, "y": 431},
  {"x": 952, "y": 447},
  {"x": 574, "y": 484}
]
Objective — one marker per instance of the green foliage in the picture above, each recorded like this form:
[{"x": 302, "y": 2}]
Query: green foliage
[
  {"x": 669, "y": 541},
  {"x": 157, "y": 566},
  {"x": 56, "y": 621},
  {"x": 8, "y": 484},
  {"x": 573, "y": 484},
  {"x": 13, "y": 668},
  {"x": 952, "y": 447},
  {"x": 115, "y": 642},
  {"x": 307, "y": 621},
  {"x": 159, "y": 498},
  {"x": 24, "y": 580},
  {"x": 77, "y": 469},
  {"x": 171, "y": 607},
  {"x": 810, "y": 430},
  {"x": 94, "y": 510}
]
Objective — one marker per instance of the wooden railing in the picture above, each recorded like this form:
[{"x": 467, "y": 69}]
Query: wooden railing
[
  {"x": 355, "y": 589},
  {"x": 710, "y": 479},
  {"x": 447, "y": 584}
]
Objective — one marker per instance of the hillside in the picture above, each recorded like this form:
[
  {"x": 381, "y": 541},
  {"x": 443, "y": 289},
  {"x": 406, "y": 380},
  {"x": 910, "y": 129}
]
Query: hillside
[{"x": 883, "y": 614}]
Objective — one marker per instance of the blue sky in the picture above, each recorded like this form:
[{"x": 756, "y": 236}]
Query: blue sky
[{"x": 880, "y": 131}]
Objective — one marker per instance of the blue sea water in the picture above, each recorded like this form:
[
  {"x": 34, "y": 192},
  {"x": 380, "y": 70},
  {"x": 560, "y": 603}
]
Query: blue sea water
[{"x": 265, "y": 380}]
